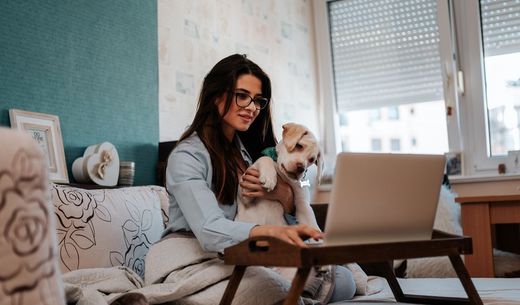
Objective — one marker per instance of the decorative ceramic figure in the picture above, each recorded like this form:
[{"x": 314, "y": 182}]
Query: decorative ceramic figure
[{"x": 99, "y": 165}]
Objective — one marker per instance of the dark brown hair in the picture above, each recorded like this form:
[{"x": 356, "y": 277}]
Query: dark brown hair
[{"x": 220, "y": 81}]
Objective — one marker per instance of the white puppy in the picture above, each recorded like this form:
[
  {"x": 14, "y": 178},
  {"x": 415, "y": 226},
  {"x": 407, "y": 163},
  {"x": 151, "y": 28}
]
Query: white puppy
[{"x": 296, "y": 152}]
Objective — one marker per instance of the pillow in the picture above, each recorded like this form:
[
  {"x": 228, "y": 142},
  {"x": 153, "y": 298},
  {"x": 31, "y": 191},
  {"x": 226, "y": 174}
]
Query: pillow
[
  {"x": 29, "y": 272},
  {"x": 448, "y": 220},
  {"x": 107, "y": 227}
]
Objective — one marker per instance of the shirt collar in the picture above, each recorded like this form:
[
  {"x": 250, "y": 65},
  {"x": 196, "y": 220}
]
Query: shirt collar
[{"x": 243, "y": 151}]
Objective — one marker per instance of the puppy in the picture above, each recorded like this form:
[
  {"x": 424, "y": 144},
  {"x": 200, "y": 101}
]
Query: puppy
[{"x": 296, "y": 152}]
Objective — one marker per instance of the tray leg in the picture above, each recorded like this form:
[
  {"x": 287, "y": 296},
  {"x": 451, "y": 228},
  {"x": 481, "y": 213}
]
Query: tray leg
[
  {"x": 465, "y": 279},
  {"x": 297, "y": 286},
  {"x": 386, "y": 270},
  {"x": 234, "y": 280}
]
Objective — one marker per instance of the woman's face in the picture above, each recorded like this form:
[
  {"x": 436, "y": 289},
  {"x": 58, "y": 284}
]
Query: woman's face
[{"x": 240, "y": 118}]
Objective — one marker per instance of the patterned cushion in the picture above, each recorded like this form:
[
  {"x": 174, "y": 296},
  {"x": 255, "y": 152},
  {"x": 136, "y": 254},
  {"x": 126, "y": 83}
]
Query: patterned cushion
[
  {"x": 107, "y": 227},
  {"x": 29, "y": 272}
]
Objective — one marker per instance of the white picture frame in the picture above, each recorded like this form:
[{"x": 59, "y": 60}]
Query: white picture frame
[
  {"x": 513, "y": 162},
  {"x": 454, "y": 165},
  {"x": 45, "y": 130}
]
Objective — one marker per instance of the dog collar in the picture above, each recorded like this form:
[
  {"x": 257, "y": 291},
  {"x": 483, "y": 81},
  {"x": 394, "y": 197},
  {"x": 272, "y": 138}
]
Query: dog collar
[{"x": 270, "y": 152}]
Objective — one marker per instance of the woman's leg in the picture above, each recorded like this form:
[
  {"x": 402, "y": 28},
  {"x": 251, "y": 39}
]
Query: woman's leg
[
  {"x": 344, "y": 287},
  {"x": 260, "y": 286}
]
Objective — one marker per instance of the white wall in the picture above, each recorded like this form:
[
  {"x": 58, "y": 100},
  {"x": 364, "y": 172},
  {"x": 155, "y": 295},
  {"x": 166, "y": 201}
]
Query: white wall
[{"x": 277, "y": 35}]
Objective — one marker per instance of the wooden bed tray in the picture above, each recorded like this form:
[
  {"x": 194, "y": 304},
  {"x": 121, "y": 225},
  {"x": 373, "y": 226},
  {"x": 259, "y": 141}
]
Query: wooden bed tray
[{"x": 268, "y": 251}]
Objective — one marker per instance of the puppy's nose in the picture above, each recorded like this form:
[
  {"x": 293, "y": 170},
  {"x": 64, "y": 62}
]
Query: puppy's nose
[{"x": 300, "y": 168}]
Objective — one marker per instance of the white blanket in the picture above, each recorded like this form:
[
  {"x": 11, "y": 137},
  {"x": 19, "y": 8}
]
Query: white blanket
[
  {"x": 177, "y": 269},
  {"x": 173, "y": 271}
]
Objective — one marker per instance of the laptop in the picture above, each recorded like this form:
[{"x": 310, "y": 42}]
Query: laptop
[{"x": 381, "y": 197}]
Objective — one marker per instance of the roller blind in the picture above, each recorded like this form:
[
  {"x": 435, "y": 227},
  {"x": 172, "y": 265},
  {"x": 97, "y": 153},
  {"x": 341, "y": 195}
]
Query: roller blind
[
  {"x": 500, "y": 26},
  {"x": 385, "y": 52}
]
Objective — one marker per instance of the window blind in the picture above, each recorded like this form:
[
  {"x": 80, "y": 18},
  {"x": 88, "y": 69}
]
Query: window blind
[
  {"x": 500, "y": 26},
  {"x": 384, "y": 52}
]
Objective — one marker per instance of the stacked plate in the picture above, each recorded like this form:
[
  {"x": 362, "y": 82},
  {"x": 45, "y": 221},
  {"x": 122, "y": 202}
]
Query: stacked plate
[{"x": 126, "y": 173}]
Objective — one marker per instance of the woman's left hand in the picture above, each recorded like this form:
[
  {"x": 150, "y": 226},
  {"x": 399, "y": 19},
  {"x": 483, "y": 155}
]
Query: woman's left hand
[{"x": 253, "y": 188}]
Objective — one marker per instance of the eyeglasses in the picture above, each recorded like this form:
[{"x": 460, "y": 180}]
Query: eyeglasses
[{"x": 243, "y": 100}]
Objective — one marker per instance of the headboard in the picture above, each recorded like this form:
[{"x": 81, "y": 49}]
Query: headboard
[{"x": 165, "y": 148}]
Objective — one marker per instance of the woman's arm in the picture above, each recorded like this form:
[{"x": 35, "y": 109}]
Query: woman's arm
[
  {"x": 193, "y": 205},
  {"x": 282, "y": 193}
]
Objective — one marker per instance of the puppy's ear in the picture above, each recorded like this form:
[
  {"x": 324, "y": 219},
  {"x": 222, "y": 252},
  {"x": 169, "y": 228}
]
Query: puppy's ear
[
  {"x": 321, "y": 166},
  {"x": 292, "y": 133}
]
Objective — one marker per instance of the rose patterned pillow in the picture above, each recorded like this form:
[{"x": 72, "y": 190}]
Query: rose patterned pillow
[
  {"x": 107, "y": 227},
  {"x": 29, "y": 272}
]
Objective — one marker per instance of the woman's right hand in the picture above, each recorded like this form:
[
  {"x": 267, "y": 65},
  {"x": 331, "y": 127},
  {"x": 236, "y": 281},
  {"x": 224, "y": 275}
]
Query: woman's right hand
[
  {"x": 252, "y": 188},
  {"x": 291, "y": 234}
]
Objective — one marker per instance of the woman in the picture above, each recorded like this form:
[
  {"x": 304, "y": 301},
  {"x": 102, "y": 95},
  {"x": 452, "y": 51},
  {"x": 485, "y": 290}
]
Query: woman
[{"x": 231, "y": 127}]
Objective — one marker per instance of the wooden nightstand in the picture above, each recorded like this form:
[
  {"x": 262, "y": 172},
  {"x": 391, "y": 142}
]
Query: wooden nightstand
[{"x": 479, "y": 214}]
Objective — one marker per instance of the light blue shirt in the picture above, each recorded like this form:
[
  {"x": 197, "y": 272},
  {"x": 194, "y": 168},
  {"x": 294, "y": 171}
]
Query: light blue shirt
[{"x": 193, "y": 205}]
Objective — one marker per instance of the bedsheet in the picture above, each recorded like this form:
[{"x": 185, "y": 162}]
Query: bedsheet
[{"x": 492, "y": 291}]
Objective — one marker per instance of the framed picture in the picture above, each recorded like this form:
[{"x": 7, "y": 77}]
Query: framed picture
[
  {"x": 453, "y": 163},
  {"x": 513, "y": 162},
  {"x": 45, "y": 130}
]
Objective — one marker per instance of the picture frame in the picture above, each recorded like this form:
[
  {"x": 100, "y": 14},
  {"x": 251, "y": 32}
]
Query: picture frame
[
  {"x": 454, "y": 163},
  {"x": 513, "y": 162},
  {"x": 46, "y": 131}
]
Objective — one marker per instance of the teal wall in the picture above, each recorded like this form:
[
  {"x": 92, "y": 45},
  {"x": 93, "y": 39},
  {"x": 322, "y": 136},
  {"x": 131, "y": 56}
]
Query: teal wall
[{"x": 93, "y": 63}]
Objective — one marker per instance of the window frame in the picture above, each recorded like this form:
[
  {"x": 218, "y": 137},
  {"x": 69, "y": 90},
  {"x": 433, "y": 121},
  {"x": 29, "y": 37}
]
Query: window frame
[
  {"x": 460, "y": 50},
  {"x": 474, "y": 120}
]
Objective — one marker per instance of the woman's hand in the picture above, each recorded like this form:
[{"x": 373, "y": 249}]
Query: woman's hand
[
  {"x": 291, "y": 234},
  {"x": 253, "y": 188}
]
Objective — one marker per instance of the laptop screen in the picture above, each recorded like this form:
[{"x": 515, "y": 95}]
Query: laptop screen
[{"x": 378, "y": 197}]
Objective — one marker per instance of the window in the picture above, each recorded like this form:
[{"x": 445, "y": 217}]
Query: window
[
  {"x": 395, "y": 145},
  {"x": 393, "y": 113},
  {"x": 489, "y": 54},
  {"x": 386, "y": 56},
  {"x": 501, "y": 48},
  {"x": 375, "y": 145},
  {"x": 344, "y": 144},
  {"x": 446, "y": 74},
  {"x": 343, "y": 119},
  {"x": 517, "y": 110},
  {"x": 374, "y": 115}
]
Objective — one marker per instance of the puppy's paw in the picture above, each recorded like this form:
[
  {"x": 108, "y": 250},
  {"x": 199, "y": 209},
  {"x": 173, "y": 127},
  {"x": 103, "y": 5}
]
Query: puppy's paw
[
  {"x": 268, "y": 181},
  {"x": 267, "y": 172}
]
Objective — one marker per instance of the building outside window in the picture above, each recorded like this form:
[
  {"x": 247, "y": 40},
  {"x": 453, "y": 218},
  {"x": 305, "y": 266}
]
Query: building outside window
[
  {"x": 343, "y": 119},
  {"x": 395, "y": 145},
  {"x": 393, "y": 113},
  {"x": 374, "y": 115},
  {"x": 376, "y": 145},
  {"x": 344, "y": 144}
]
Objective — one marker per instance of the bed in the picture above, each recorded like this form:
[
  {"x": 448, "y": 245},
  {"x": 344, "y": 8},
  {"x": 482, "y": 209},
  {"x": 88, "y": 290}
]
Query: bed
[{"x": 492, "y": 291}]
